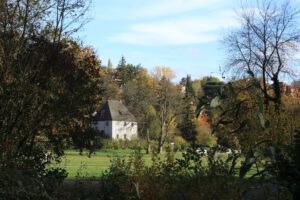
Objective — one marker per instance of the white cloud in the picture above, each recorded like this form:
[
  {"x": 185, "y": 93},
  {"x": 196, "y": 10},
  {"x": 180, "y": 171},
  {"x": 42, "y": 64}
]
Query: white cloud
[{"x": 182, "y": 31}]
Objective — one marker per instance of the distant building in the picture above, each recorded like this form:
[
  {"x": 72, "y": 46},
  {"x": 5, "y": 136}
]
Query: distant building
[
  {"x": 115, "y": 121},
  {"x": 288, "y": 90},
  {"x": 212, "y": 89}
]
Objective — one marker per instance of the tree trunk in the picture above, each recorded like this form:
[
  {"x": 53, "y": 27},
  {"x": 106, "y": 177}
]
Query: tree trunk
[
  {"x": 265, "y": 88},
  {"x": 277, "y": 91},
  {"x": 160, "y": 147},
  {"x": 161, "y": 140},
  {"x": 148, "y": 150}
]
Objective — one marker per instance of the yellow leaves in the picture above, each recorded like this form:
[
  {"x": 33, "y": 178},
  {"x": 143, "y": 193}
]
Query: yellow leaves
[
  {"x": 204, "y": 136},
  {"x": 164, "y": 72},
  {"x": 203, "y": 131}
]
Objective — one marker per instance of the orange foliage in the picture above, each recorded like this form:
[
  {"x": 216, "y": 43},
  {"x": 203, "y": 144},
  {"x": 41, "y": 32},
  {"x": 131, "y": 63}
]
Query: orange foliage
[{"x": 203, "y": 119}]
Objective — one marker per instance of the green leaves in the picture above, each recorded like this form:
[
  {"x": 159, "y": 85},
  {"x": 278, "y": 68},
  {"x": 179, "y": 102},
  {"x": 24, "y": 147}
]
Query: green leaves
[
  {"x": 260, "y": 103},
  {"x": 260, "y": 111}
]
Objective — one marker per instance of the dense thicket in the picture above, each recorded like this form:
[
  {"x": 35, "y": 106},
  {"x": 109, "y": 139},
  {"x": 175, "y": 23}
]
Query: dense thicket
[{"x": 49, "y": 86}]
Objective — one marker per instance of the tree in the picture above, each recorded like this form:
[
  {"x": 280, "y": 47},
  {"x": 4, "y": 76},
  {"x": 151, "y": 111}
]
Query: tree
[
  {"x": 50, "y": 85},
  {"x": 187, "y": 125},
  {"x": 67, "y": 19},
  {"x": 265, "y": 44},
  {"x": 122, "y": 62},
  {"x": 197, "y": 87},
  {"x": 296, "y": 84},
  {"x": 168, "y": 105},
  {"x": 126, "y": 72},
  {"x": 49, "y": 101},
  {"x": 110, "y": 86},
  {"x": 53, "y": 19},
  {"x": 210, "y": 80},
  {"x": 109, "y": 66},
  {"x": 164, "y": 72},
  {"x": 151, "y": 126},
  {"x": 203, "y": 131},
  {"x": 138, "y": 96},
  {"x": 189, "y": 90}
]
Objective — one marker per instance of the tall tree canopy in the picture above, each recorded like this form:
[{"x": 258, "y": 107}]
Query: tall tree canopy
[
  {"x": 49, "y": 85},
  {"x": 168, "y": 103},
  {"x": 126, "y": 72},
  {"x": 265, "y": 44}
]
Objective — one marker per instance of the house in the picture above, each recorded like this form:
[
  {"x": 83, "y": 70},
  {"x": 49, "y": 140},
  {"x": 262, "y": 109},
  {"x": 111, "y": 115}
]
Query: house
[
  {"x": 115, "y": 121},
  {"x": 212, "y": 89},
  {"x": 288, "y": 90}
]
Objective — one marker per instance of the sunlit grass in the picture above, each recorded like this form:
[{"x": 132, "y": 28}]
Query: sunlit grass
[{"x": 91, "y": 167}]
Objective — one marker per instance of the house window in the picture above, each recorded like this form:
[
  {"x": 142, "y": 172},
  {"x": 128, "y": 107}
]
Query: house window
[
  {"x": 117, "y": 136},
  {"x": 106, "y": 123},
  {"x": 125, "y": 137}
]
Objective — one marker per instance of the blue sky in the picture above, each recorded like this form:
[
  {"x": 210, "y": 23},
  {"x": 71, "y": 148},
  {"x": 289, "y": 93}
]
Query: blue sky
[{"x": 184, "y": 35}]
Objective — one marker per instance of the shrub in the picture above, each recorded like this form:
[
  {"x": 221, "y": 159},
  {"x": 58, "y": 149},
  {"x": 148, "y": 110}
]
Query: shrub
[
  {"x": 28, "y": 184},
  {"x": 180, "y": 143},
  {"x": 124, "y": 144},
  {"x": 185, "y": 178},
  {"x": 204, "y": 136}
]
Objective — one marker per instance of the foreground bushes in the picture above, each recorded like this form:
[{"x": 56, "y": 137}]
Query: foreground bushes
[
  {"x": 28, "y": 184},
  {"x": 198, "y": 175},
  {"x": 186, "y": 178}
]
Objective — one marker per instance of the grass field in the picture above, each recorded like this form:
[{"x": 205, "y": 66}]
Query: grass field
[
  {"x": 85, "y": 167},
  {"x": 92, "y": 167}
]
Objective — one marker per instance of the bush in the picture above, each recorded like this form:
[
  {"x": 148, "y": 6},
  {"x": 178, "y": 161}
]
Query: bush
[
  {"x": 185, "y": 178},
  {"x": 180, "y": 143},
  {"x": 204, "y": 136},
  {"x": 28, "y": 184},
  {"x": 124, "y": 144}
]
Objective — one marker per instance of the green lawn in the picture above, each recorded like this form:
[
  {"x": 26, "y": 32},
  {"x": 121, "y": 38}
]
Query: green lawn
[{"x": 92, "y": 167}]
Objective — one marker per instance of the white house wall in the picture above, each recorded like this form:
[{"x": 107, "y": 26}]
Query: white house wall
[
  {"x": 105, "y": 126},
  {"x": 124, "y": 130}
]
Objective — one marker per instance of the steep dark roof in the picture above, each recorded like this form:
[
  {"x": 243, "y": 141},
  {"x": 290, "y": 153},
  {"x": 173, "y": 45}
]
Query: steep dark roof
[{"x": 114, "y": 111}]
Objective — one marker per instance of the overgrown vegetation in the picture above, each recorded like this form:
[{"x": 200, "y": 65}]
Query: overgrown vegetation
[
  {"x": 50, "y": 86},
  {"x": 186, "y": 178}
]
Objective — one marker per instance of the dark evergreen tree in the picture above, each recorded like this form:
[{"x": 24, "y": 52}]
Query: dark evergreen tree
[
  {"x": 126, "y": 72},
  {"x": 122, "y": 62},
  {"x": 188, "y": 126}
]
